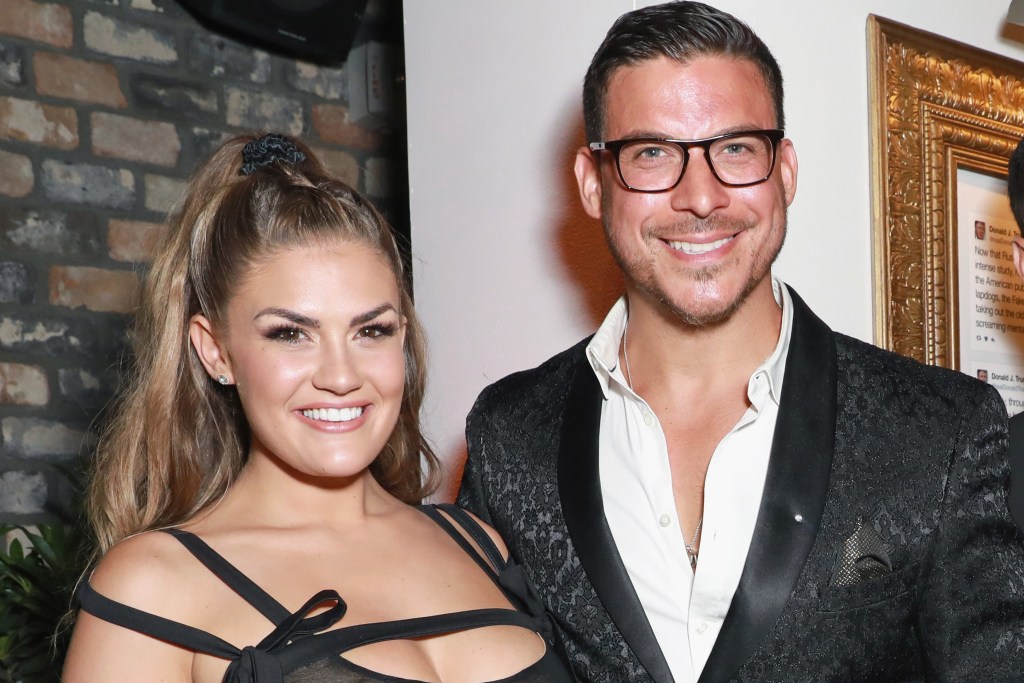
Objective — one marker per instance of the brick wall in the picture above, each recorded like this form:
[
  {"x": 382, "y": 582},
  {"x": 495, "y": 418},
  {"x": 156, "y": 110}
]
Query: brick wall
[{"x": 105, "y": 106}]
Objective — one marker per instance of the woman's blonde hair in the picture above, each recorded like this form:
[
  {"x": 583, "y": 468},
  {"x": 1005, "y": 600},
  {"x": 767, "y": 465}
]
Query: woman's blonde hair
[{"x": 175, "y": 439}]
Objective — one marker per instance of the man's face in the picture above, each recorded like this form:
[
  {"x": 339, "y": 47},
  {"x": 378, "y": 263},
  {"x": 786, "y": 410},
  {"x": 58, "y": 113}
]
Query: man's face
[{"x": 700, "y": 248}]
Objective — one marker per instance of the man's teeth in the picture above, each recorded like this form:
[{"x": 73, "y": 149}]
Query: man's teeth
[
  {"x": 692, "y": 248},
  {"x": 333, "y": 414}
]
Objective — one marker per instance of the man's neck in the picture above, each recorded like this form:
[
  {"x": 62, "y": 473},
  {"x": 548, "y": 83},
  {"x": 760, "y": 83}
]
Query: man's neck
[{"x": 664, "y": 350}]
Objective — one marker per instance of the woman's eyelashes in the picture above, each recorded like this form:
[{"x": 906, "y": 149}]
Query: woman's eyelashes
[
  {"x": 377, "y": 330},
  {"x": 289, "y": 333}
]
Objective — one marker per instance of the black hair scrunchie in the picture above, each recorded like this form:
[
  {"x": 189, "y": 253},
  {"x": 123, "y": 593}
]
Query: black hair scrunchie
[{"x": 268, "y": 149}]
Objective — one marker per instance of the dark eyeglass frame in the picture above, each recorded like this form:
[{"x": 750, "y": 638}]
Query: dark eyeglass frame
[{"x": 774, "y": 135}]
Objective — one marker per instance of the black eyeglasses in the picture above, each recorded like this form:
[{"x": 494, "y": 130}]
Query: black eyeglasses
[{"x": 655, "y": 165}]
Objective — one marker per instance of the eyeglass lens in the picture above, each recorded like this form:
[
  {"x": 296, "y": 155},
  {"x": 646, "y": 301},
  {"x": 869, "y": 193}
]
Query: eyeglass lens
[{"x": 652, "y": 165}]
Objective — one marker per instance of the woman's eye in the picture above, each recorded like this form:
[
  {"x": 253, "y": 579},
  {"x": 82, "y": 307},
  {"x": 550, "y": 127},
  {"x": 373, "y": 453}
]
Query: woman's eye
[
  {"x": 378, "y": 330},
  {"x": 286, "y": 333}
]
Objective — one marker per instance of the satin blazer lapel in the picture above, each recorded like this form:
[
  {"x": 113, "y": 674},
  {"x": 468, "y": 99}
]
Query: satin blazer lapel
[
  {"x": 794, "y": 494},
  {"x": 579, "y": 488}
]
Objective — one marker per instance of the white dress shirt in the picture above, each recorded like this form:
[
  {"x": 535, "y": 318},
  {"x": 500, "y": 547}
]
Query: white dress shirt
[{"x": 685, "y": 609}]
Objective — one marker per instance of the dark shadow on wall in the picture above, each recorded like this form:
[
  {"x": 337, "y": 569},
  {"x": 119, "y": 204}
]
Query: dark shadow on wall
[
  {"x": 453, "y": 460},
  {"x": 579, "y": 243},
  {"x": 578, "y": 238}
]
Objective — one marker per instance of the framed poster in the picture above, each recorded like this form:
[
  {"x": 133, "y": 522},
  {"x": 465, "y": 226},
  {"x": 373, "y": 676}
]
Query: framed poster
[{"x": 945, "y": 118}]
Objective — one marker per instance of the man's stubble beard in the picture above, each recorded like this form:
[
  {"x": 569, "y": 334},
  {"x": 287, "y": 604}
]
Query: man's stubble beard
[{"x": 641, "y": 270}]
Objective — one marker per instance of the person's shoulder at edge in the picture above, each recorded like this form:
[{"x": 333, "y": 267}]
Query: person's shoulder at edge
[
  {"x": 910, "y": 375},
  {"x": 551, "y": 375},
  {"x": 140, "y": 570},
  {"x": 147, "y": 572}
]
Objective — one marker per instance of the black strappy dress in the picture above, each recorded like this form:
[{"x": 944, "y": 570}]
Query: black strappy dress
[{"x": 301, "y": 650}]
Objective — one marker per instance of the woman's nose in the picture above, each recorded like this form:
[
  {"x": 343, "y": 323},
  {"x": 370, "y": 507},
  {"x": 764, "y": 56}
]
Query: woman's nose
[{"x": 337, "y": 370}]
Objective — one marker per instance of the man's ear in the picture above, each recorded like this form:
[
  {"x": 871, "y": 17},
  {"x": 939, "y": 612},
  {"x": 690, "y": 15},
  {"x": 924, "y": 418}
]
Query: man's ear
[
  {"x": 209, "y": 348},
  {"x": 787, "y": 168},
  {"x": 1018, "y": 254},
  {"x": 588, "y": 176}
]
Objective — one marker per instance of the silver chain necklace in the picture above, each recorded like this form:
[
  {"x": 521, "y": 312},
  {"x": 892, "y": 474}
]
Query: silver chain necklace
[{"x": 691, "y": 549}]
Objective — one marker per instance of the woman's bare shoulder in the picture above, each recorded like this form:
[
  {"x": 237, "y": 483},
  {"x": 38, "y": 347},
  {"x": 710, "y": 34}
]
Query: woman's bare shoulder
[
  {"x": 142, "y": 571},
  {"x": 148, "y": 572}
]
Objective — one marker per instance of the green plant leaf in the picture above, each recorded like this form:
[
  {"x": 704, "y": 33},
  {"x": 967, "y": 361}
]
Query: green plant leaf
[{"x": 36, "y": 584}]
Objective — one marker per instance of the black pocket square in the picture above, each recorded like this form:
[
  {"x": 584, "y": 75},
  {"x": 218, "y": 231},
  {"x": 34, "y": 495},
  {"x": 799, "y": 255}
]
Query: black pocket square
[{"x": 863, "y": 556}]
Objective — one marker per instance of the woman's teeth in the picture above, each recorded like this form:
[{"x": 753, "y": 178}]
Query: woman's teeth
[{"x": 333, "y": 414}]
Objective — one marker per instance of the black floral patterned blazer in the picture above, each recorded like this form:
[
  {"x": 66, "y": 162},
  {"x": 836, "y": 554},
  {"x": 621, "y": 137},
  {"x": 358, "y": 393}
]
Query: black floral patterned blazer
[
  {"x": 1017, "y": 468},
  {"x": 904, "y": 564}
]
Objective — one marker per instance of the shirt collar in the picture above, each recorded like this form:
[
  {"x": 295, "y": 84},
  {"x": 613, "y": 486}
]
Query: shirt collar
[
  {"x": 603, "y": 349},
  {"x": 775, "y": 365}
]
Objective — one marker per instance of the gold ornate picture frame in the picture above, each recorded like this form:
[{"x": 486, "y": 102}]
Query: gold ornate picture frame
[{"x": 937, "y": 106}]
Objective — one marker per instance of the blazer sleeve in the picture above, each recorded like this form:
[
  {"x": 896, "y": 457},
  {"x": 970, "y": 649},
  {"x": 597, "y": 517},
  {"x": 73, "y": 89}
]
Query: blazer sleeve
[
  {"x": 971, "y": 616},
  {"x": 472, "y": 493}
]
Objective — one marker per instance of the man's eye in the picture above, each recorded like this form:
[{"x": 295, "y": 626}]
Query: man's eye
[
  {"x": 651, "y": 152},
  {"x": 736, "y": 148}
]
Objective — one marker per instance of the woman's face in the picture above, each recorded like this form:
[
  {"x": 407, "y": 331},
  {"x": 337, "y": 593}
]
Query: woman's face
[{"x": 314, "y": 342}]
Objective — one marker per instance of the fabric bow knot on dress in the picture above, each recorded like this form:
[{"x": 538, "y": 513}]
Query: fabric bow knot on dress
[
  {"x": 254, "y": 666},
  {"x": 255, "y": 663}
]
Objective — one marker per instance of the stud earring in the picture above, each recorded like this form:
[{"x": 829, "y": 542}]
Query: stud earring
[{"x": 223, "y": 380}]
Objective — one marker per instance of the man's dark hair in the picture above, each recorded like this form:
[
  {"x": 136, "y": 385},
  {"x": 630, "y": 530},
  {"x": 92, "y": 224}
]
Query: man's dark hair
[
  {"x": 1015, "y": 185},
  {"x": 681, "y": 31}
]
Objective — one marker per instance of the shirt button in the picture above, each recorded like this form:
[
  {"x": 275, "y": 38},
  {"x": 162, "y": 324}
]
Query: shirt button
[
  {"x": 702, "y": 627},
  {"x": 648, "y": 419},
  {"x": 665, "y": 520}
]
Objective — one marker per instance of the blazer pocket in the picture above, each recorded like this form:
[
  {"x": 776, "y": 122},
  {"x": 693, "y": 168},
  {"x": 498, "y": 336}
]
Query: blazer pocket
[{"x": 871, "y": 592}]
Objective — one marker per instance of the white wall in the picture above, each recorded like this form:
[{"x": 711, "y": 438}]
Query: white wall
[{"x": 507, "y": 268}]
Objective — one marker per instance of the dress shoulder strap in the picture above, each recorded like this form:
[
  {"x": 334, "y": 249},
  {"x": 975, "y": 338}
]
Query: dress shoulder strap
[
  {"x": 255, "y": 662},
  {"x": 230, "y": 575},
  {"x": 134, "y": 619},
  {"x": 507, "y": 575},
  {"x": 491, "y": 562},
  {"x": 473, "y": 528}
]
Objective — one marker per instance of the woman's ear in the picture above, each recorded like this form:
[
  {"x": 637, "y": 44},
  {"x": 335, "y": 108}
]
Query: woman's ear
[{"x": 209, "y": 348}]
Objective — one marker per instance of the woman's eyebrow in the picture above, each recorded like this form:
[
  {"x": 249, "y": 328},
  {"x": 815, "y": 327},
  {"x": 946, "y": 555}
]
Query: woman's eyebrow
[
  {"x": 371, "y": 314},
  {"x": 306, "y": 321},
  {"x": 291, "y": 316}
]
